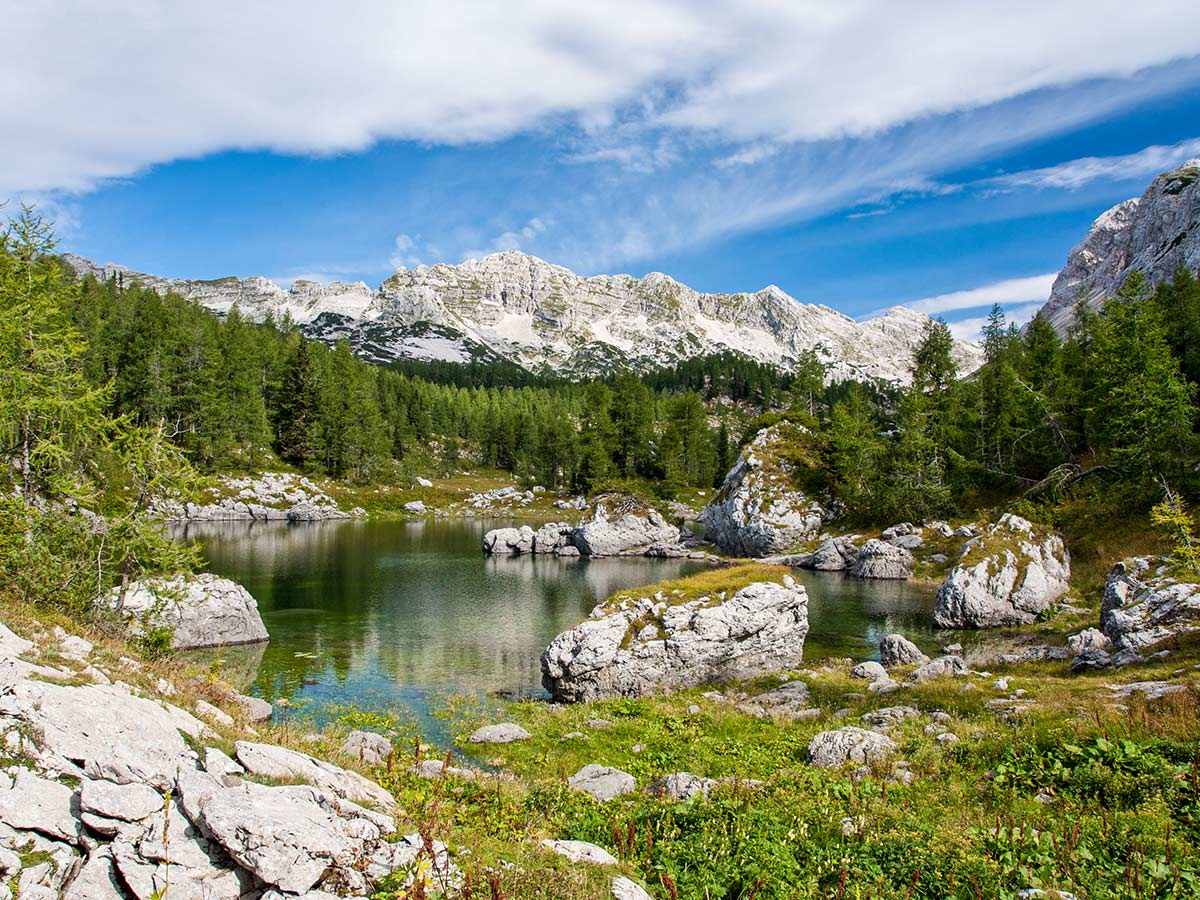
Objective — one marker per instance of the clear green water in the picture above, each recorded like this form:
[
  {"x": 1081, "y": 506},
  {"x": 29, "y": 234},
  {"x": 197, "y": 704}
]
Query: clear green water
[{"x": 397, "y": 615}]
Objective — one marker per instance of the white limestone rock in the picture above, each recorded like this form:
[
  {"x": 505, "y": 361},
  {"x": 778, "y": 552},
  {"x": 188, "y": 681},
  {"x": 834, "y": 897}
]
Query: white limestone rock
[
  {"x": 202, "y": 610},
  {"x": 648, "y": 644},
  {"x": 581, "y": 852},
  {"x": 127, "y": 802},
  {"x": 500, "y": 733},
  {"x": 681, "y": 786},
  {"x": 367, "y": 747},
  {"x": 758, "y": 511},
  {"x": 949, "y": 666},
  {"x": 603, "y": 782},
  {"x": 879, "y": 559},
  {"x": 833, "y": 555},
  {"x": 510, "y": 541},
  {"x": 1008, "y": 576},
  {"x": 897, "y": 650},
  {"x": 632, "y": 534},
  {"x": 833, "y": 749},
  {"x": 1145, "y": 604},
  {"x": 36, "y": 804},
  {"x": 278, "y": 762},
  {"x": 1153, "y": 235}
]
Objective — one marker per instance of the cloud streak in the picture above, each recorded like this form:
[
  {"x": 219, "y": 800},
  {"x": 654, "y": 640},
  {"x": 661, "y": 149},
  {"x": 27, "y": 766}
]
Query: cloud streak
[
  {"x": 1077, "y": 173},
  {"x": 91, "y": 92},
  {"x": 1005, "y": 293}
]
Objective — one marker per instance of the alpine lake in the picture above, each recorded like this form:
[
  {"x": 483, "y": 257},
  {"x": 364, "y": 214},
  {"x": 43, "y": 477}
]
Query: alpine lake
[{"x": 395, "y": 617}]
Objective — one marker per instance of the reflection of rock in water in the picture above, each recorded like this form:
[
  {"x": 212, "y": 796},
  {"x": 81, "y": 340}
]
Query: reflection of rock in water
[{"x": 239, "y": 665}]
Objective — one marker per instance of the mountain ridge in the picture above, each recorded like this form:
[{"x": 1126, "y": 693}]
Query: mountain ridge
[
  {"x": 1153, "y": 234},
  {"x": 544, "y": 317}
]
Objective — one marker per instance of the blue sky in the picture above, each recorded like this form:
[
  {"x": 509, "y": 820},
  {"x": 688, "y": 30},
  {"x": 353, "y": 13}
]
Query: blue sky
[{"x": 860, "y": 154}]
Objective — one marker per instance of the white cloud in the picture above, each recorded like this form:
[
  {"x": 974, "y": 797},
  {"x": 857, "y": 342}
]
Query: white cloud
[
  {"x": 410, "y": 251},
  {"x": 517, "y": 239},
  {"x": 1076, "y": 173},
  {"x": 1014, "y": 290},
  {"x": 972, "y": 329},
  {"x": 96, "y": 91}
]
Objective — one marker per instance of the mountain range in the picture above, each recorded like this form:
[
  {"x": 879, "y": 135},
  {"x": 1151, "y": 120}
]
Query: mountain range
[{"x": 515, "y": 307}]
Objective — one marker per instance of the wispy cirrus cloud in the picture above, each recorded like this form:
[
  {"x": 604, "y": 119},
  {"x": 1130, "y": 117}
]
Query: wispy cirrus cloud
[
  {"x": 1005, "y": 293},
  {"x": 1076, "y": 173}
]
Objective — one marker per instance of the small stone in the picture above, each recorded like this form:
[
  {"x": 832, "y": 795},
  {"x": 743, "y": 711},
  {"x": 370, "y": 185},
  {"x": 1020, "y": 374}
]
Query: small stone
[
  {"x": 501, "y": 733},
  {"x": 367, "y": 747},
  {"x": 581, "y": 852},
  {"x": 947, "y": 739},
  {"x": 871, "y": 671},
  {"x": 624, "y": 889},
  {"x": 681, "y": 786},
  {"x": 603, "y": 782}
]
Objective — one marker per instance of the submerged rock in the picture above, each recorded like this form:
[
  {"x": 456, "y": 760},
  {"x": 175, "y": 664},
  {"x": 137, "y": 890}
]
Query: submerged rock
[
  {"x": 1005, "y": 577},
  {"x": 649, "y": 644},
  {"x": 758, "y": 511},
  {"x": 201, "y": 610}
]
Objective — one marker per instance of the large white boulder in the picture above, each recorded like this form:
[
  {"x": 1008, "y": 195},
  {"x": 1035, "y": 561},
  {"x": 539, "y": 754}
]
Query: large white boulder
[
  {"x": 632, "y": 534},
  {"x": 758, "y": 510},
  {"x": 509, "y": 541},
  {"x": 1007, "y": 576},
  {"x": 832, "y": 749},
  {"x": 879, "y": 559},
  {"x": 201, "y": 610},
  {"x": 641, "y": 645}
]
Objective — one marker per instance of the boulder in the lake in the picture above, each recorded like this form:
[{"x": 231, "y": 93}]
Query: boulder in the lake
[
  {"x": 1147, "y": 603},
  {"x": 509, "y": 541},
  {"x": 833, "y": 749},
  {"x": 1007, "y": 576},
  {"x": 553, "y": 537},
  {"x": 879, "y": 559},
  {"x": 897, "y": 650},
  {"x": 759, "y": 511},
  {"x": 200, "y": 610},
  {"x": 632, "y": 646},
  {"x": 634, "y": 533}
]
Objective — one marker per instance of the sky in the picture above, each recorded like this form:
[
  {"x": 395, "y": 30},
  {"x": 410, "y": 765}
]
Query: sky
[{"x": 862, "y": 154}]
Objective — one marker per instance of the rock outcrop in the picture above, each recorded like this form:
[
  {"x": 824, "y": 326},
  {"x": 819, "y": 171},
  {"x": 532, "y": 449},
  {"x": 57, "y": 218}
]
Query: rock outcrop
[
  {"x": 270, "y": 497},
  {"x": 108, "y": 789},
  {"x": 1153, "y": 235},
  {"x": 516, "y": 307},
  {"x": 833, "y": 555},
  {"x": 833, "y": 749},
  {"x": 758, "y": 510},
  {"x": 879, "y": 559},
  {"x": 637, "y": 646},
  {"x": 201, "y": 610},
  {"x": 1146, "y": 604},
  {"x": 1007, "y": 576}
]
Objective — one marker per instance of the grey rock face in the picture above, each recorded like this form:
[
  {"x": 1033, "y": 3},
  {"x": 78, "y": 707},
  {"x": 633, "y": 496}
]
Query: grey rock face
[
  {"x": 1089, "y": 639},
  {"x": 603, "y": 782},
  {"x": 889, "y": 715},
  {"x": 96, "y": 879},
  {"x": 1006, "y": 577},
  {"x": 897, "y": 650},
  {"x": 788, "y": 701},
  {"x": 202, "y": 610},
  {"x": 127, "y": 802},
  {"x": 649, "y": 644},
  {"x": 758, "y": 511},
  {"x": 833, "y": 749},
  {"x": 942, "y": 667},
  {"x": 1144, "y": 605},
  {"x": 1153, "y": 235},
  {"x": 436, "y": 768},
  {"x": 500, "y": 733},
  {"x": 1091, "y": 659},
  {"x": 553, "y": 537},
  {"x": 879, "y": 559},
  {"x": 368, "y": 747},
  {"x": 633, "y": 534}
]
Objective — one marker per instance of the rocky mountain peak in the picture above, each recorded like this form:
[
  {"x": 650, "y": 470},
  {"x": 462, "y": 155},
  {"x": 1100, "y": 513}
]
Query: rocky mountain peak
[{"x": 1153, "y": 234}]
